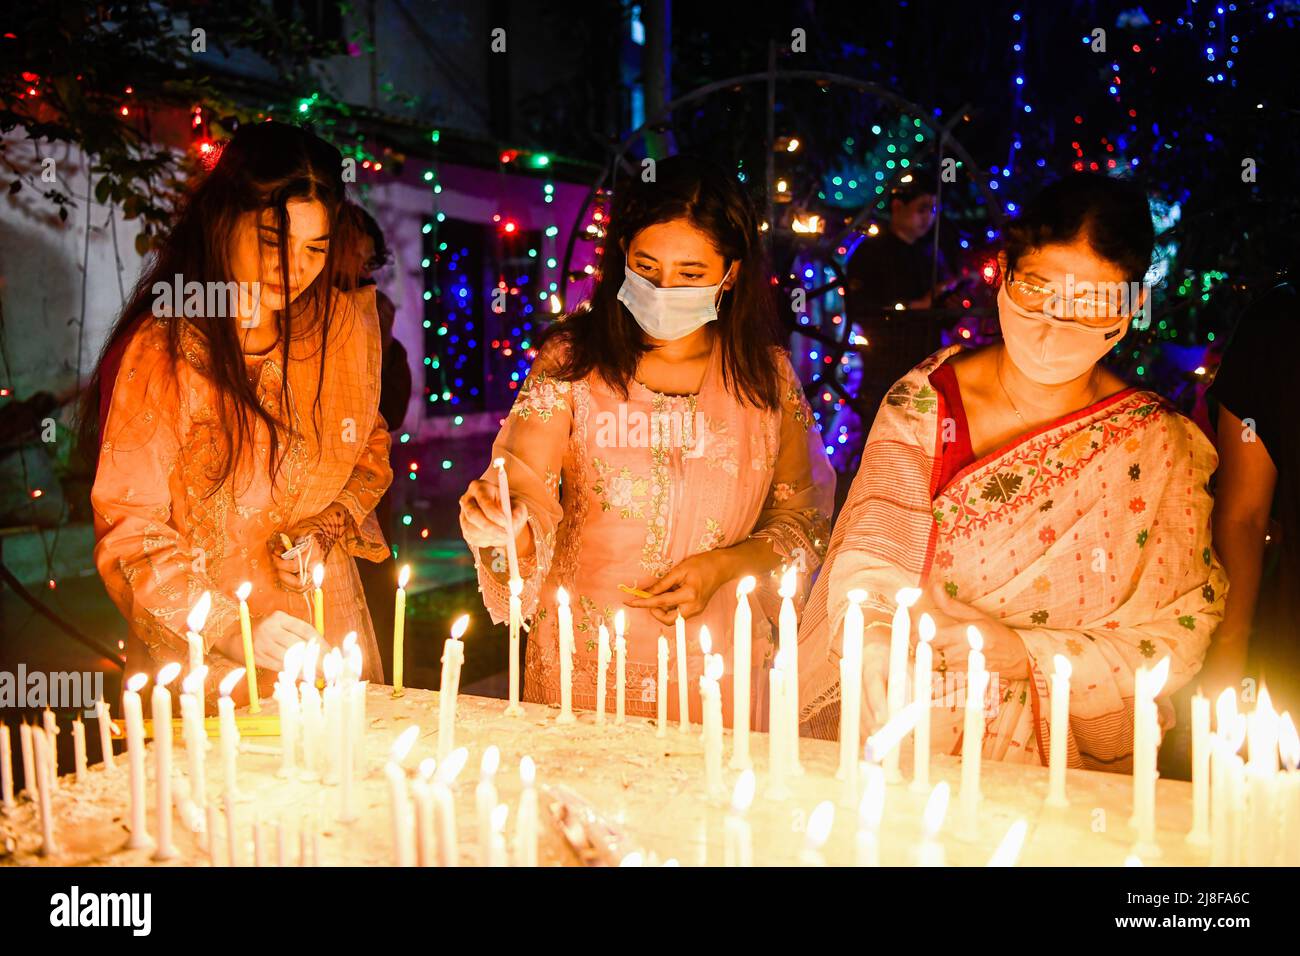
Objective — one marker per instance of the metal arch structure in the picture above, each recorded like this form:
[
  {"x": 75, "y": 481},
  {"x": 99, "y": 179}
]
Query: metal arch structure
[{"x": 942, "y": 137}]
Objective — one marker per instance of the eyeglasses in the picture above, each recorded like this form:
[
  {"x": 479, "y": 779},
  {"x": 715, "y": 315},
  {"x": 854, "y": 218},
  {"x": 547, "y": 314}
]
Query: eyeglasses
[{"x": 1101, "y": 309}]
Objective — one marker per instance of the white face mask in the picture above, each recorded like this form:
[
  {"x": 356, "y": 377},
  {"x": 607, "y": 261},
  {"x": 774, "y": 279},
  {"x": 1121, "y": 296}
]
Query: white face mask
[
  {"x": 1052, "y": 351},
  {"x": 671, "y": 313}
]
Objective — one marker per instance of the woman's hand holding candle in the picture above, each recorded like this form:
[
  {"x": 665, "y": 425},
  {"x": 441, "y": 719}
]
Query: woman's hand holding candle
[
  {"x": 483, "y": 520},
  {"x": 1004, "y": 651},
  {"x": 687, "y": 588},
  {"x": 272, "y": 636}
]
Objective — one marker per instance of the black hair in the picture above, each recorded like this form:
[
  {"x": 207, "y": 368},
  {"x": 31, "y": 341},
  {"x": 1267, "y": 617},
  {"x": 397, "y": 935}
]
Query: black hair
[
  {"x": 602, "y": 337},
  {"x": 912, "y": 184},
  {"x": 1111, "y": 215}
]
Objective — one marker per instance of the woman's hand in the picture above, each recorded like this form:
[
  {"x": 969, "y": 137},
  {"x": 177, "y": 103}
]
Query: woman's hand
[
  {"x": 875, "y": 700},
  {"x": 483, "y": 520},
  {"x": 687, "y": 588},
  {"x": 272, "y": 636},
  {"x": 1004, "y": 651},
  {"x": 318, "y": 535}
]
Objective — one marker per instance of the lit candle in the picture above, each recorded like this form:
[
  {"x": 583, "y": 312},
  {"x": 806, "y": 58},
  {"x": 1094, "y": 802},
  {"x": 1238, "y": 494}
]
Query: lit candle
[
  {"x": 1145, "y": 775},
  {"x": 485, "y": 801},
  {"x": 788, "y": 644},
  {"x": 51, "y": 725},
  {"x": 6, "y": 769},
  {"x": 711, "y": 700},
  {"x": 399, "y": 631},
  {"x": 526, "y": 825},
  {"x": 286, "y": 694},
  {"x": 1060, "y": 732},
  {"x": 351, "y": 698},
  {"x": 851, "y": 693},
  {"x": 426, "y": 840},
  {"x": 620, "y": 665},
  {"x": 318, "y": 598},
  {"x": 453, "y": 656},
  {"x": 79, "y": 749},
  {"x": 923, "y": 694},
  {"x": 661, "y": 690},
  {"x": 870, "y": 811},
  {"x": 930, "y": 851},
  {"x": 444, "y": 805},
  {"x": 1199, "y": 835},
  {"x": 567, "y": 650},
  {"x": 777, "y": 751},
  {"x": 229, "y": 736},
  {"x": 742, "y": 652},
  {"x": 332, "y": 718},
  {"x": 738, "y": 839},
  {"x": 399, "y": 802},
  {"x": 497, "y": 839},
  {"x": 194, "y": 622},
  {"x": 105, "y": 733},
  {"x": 195, "y": 735},
  {"x": 818, "y": 832},
  {"x": 514, "y": 708},
  {"x": 134, "y": 713},
  {"x": 30, "y": 783},
  {"x": 44, "y": 744},
  {"x": 1261, "y": 782},
  {"x": 1289, "y": 747},
  {"x": 246, "y": 632},
  {"x": 972, "y": 743},
  {"x": 1008, "y": 850},
  {"x": 503, "y": 488},
  {"x": 683, "y": 688},
  {"x": 162, "y": 753},
  {"x": 900, "y": 635},
  {"x": 312, "y": 719},
  {"x": 602, "y": 668},
  {"x": 1228, "y": 737}
]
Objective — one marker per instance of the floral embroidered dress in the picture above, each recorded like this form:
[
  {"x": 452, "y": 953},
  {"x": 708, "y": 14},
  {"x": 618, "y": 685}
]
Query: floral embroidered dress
[
  {"x": 1089, "y": 535},
  {"x": 161, "y": 543},
  {"x": 620, "y": 491}
]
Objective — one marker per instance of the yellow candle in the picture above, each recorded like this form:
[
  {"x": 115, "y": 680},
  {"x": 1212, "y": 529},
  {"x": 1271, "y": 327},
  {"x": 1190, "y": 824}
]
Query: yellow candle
[
  {"x": 318, "y": 598},
  {"x": 399, "y": 631},
  {"x": 246, "y": 629}
]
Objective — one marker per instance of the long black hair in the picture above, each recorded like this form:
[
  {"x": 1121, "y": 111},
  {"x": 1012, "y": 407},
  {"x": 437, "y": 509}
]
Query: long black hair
[
  {"x": 602, "y": 337},
  {"x": 263, "y": 166}
]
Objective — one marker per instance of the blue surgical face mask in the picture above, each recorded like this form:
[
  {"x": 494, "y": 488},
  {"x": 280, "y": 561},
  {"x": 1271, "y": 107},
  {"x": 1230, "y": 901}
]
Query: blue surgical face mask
[{"x": 671, "y": 313}]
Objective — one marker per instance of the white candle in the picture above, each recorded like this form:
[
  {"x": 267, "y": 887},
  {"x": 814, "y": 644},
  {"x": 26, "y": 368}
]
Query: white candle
[
  {"x": 661, "y": 690},
  {"x": 620, "y": 665},
  {"x": 1289, "y": 746},
  {"x": 1060, "y": 732},
  {"x": 972, "y": 743},
  {"x": 332, "y": 718},
  {"x": 485, "y": 801},
  {"x": 51, "y": 724},
  {"x": 900, "y": 635},
  {"x": 444, "y": 805},
  {"x": 229, "y": 737},
  {"x": 1145, "y": 780},
  {"x": 399, "y": 630},
  {"x": 399, "y": 802},
  {"x": 79, "y": 749},
  {"x": 30, "y": 783},
  {"x": 870, "y": 811},
  {"x": 930, "y": 851},
  {"x": 195, "y": 735},
  {"x": 1008, "y": 850},
  {"x": 777, "y": 751},
  {"x": 923, "y": 694},
  {"x": 818, "y": 832},
  {"x": 351, "y": 698},
  {"x": 162, "y": 752},
  {"x": 134, "y": 713},
  {"x": 503, "y": 488},
  {"x": 453, "y": 656},
  {"x": 742, "y": 653},
  {"x": 711, "y": 699},
  {"x": 738, "y": 839},
  {"x": 44, "y": 744},
  {"x": 426, "y": 840},
  {"x": 526, "y": 824},
  {"x": 312, "y": 720},
  {"x": 567, "y": 649},
  {"x": 194, "y": 622},
  {"x": 1228, "y": 737},
  {"x": 232, "y": 824},
  {"x": 514, "y": 708},
  {"x": 286, "y": 694},
  {"x": 1261, "y": 780},
  {"x": 788, "y": 644},
  {"x": 258, "y": 850},
  {"x": 683, "y": 688},
  {"x": 497, "y": 838},
  {"x": 851, "y": 693},
  {"x": 210, "y": 832},
  {"x": 602, "y": 669},
  {"x": 105, "y": 733},
  {"x": 6, "y": 769},
  {"x": 1199, "y": 835}
]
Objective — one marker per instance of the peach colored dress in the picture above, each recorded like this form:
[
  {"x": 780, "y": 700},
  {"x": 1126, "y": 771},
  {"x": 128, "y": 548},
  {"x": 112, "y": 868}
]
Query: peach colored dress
[
  {"x": 161, "y": 543},
  {"x": 619, "y": 492}
]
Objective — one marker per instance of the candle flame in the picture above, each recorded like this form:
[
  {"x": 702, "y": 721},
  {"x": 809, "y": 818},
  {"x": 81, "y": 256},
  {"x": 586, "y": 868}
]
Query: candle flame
[
  {"x": 405, "y": 741},
  {"x": 743, "y": 796},
  {"x": 293, "y": 662},
  {"x": 926, "y": 628},
  {"x": 1132, "y": 860},
  {"x": 460, "y": 627},
  {"x": 499, "y": 815},
  {"x": 1288, "y": 742},
  {"x": 1063, "y": 667},
  {"x": 450, "y": 768},
  {"x": 527, "y": 771},
  {"x": 872, "y": 806},
  {"x": 788, "y": 580},
  {"x": 936, "y": 807},
  {"x": 167, "y": 674},
  {"x": 426, "y": 769},
  {"x": 198, "y": 615},
  {"x": 706, "y": 642},
  {"x": 745, "y": 586},
  {"x": 498, "y": 462},
  {"x": 603, "y": 634},
  {"x": 193, "y": 681},
  {"x": 975, "y": 638},
  {"x": 404, "y": 576},
  {"x": 516, "y": 587},
  {"x": 244, "y": 590},
  {"x": 354, "y": 661},
  {"x": 137, "y": 682},
  {"x": 1008, "y": 850},
  {"x": 632, "y": 859},
  {"x": 562, "y": 596},
  {"x": 1225, "y": 710},
  {"x": 332, "y": 665},
  {"x": 230, "y": 681},
  {"x": 349, "y": 641},
  {"x": 857, "y": 596},
  {"x": 1264, "y": 705},
  {"x": 778, "y": 661},
  {"x": 491, "y": 760},
  {"x": 714, "y": 668},
  {"x": 819, "y": 825},
  {"x": 1156, "y": 679},
  {"x": 620, "y": 623},
  {"x": 309, "y": 659},
  {"x": 318, "y": 575},
  {"x": 906, "y": 597}
]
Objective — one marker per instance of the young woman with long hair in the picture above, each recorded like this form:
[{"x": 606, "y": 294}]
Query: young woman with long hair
[
  {"x": 661, "y": 442},
  {"x": 240, "y": 413}
]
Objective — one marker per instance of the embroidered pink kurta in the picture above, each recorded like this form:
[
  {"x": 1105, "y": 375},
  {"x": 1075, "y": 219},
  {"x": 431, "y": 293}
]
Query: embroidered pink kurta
[
  {"x": 161, "y": 543},
  {"x": 620, "y": 491}
]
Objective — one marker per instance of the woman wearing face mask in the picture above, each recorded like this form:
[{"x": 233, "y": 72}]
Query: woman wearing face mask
[
  {"x": 662, "y": 442},
  {"x": 1027, "y": 491},
  {"x": 226, "y": 424}
]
